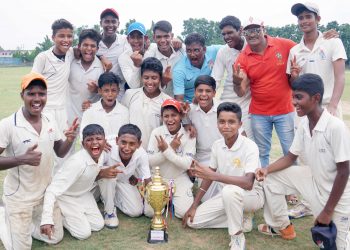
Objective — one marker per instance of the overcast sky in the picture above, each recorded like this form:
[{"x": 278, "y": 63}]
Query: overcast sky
[{"x": 24, "y": 23}]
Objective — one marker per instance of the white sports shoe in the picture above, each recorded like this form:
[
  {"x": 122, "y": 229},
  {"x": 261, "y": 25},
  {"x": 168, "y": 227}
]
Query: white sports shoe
[
  {"x": 237, "y": 242},
  {"x": 247, "y": 222},
  {"x": 111, "y": 220},
  {"x": 299, "y": 211}
]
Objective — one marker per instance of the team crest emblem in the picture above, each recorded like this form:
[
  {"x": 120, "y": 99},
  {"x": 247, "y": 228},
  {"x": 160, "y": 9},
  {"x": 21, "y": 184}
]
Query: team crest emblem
[
  {"x": 279, "y": 58},
  {"x": 236, "y": 163}
]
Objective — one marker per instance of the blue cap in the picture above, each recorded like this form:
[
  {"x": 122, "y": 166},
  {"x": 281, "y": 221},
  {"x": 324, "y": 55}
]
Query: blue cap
[
  {"x": 324, "y": 236},
  {"x": 137, "y": 26}
]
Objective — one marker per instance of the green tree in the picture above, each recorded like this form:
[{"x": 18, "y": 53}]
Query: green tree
[
  {"x": 125, "y": 31},
  {"x": 209, "y": 29}
]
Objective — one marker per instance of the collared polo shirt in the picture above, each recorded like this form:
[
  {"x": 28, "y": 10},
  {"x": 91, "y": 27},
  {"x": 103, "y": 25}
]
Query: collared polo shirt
[
  {"x": 269, "y": 85},
  {"x": 184, "y": 74},
  {"x": 328, "y": 145}
]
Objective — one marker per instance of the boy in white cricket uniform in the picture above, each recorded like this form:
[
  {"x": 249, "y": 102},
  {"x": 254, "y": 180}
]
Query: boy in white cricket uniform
[
  {"x": 122, "y": 191},
  {"x": 107, "y": 112},
  {"x": 315, "y": 54},
  {"x": 234, "y": 159},
  {"x": 230, "y": 27},
  {"x": 71, "y": 187},
  {"x": 323, "y": 143},
  {"x": 145, "y": 103},
  {"x": 171, "y": 148},
  {"x": 112, "y": 44},
  {"x": 130, "y": 60},
  {"x": 84, "y": 73},
  {"x": 54, "y": 65},
  {"x": 28, "y": 141},
  {"x": 165, "y": 52}
]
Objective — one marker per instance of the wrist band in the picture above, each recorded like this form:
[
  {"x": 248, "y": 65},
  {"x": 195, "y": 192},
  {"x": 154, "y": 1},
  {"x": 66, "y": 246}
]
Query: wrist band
[{"x": 203, "y": 190}]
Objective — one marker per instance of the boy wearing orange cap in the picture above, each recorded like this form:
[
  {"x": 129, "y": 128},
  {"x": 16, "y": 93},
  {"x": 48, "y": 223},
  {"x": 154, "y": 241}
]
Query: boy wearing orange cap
[
  {"x": 29, "y": 142},
  {"x": 171, "y": 148}
]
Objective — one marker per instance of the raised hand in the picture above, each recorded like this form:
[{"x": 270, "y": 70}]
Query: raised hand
[
  {"x": 260, "y": 174},
  {"x": 295, "y": 69},
  {"x": 47, "y": 229},
  {"x": 185, "y": 107},
  {"x": 137, "y": 58},
  {"x": 111, "y": 172},
  {"x": 162, "y": 144},
  {"x": 176, "y": 142},
  {"x": 92, "y": 86},
  {"x": 237, "y": 74},
  {"x": 107, "y": 147},
  {"x": 71, "y": 132},
  {"x": 85, "y": 105},
  {"x": 176, "y": 44},
  {"x": 31, "y": 157},
  {"x": 167, "y": 76}
]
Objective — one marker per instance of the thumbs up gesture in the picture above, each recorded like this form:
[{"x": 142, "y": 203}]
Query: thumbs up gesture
[{"x": 31, "y": 157}]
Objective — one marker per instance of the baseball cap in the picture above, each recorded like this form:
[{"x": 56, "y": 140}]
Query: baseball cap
[
  {"x": 325, "y": 236},
  {"x": 28, "y": 78},
  {"x": 253, "y": 21},
  {"x": 110, "y": 11},
  {"x": 137, "y": 26},
  {"x": 173, "y": 103},
  {"x": 309, "y": 6}
]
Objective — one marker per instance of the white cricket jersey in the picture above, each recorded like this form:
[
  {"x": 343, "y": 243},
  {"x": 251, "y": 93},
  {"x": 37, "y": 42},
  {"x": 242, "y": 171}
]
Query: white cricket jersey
[{"x": 131, "y": 73}]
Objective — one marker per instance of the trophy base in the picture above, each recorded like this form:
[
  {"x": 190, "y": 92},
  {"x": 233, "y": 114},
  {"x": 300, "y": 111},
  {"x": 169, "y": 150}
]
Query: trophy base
[{"x": 157, "y": 236}]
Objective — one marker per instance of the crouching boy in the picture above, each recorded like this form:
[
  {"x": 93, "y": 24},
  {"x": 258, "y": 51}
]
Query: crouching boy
[
  {"x": 234, "y": 159},
  {"x": 71, "y": 187},
  {"x": 121, "y": 190}
]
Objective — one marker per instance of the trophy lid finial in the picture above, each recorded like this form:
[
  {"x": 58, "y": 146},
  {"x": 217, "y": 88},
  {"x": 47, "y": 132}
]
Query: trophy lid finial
[{"x": 157, "y": 178}]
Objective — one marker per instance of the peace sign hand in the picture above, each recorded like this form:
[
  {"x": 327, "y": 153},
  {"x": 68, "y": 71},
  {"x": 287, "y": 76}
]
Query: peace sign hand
[
  {"x": 71, "y": 133},
  {"x": 237, "y": 75},
  {"x": 295, "y": 69},
  {"x": 176, "y": 142},
  {"x": 162, "y": 144}
]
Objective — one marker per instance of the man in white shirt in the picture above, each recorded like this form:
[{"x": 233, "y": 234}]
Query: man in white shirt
[
  {"x": 144, "y": 103},
  {"x": 112, "y": 44},
  {"x": 171, "y": 148},
  {"x": 130, "y": 60},
  {"x": 233, "y": 161},
  {"x": 84, "y": 73},
  {"x": 122, "y": 191},
  {"x": 165, "y": 52},
  {"x": 323, "y": 143},
  {"x": 230, "y": 27},
  {"x": 107, "y": 112},
  {"x": 28, "y": 143},
  {"x": 71, "y": 186}
]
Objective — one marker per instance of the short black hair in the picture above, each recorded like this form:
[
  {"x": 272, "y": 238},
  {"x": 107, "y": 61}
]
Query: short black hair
[
  {"x": 130, "y": 129},
  {"x": 90, "y": 33},
  {"x": 35, "y": 83},
  {"x": 152, "y": 64},
  {"x": 230, "y": 21},
  {"x": 312, "y": 84},
  {"x": 205, "y": 79},
  {"x": 163, "y": 26},
  {"x": 60, "y": 24},
  {"x": 93, "y": 129},
  {"x": 108, "y": 78},
  {"x": 230, "y": 107},
  {"x": 195, "y": 38}
]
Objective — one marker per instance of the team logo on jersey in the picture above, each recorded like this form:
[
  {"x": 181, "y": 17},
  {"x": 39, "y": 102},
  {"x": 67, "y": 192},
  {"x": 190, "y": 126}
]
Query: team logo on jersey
[
  {"x": 211, "y": 64},
  {"x": 236, "y": 163},
  {"x": 279, "y": 58},
  {"x": 322, "y": 55}
]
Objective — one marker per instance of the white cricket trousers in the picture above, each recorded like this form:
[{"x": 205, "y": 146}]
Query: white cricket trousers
[
  {"x": 298, "y": 179},
  {"x": 122, "y": 195},
  {"x": 23, "y": 222},
  {"x": 225, "y": 210},
  {"x": 182, "y": 199},
  {"x": 80, "y": 215}
]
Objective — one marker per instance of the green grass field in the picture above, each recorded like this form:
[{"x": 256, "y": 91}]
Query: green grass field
[{"x": 132, "y": 232}]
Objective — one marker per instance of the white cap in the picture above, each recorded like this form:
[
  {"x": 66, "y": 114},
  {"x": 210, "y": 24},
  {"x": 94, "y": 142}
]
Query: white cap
[
  {"x": 253, "y": 21},
  {"x": 309, "y": 6}
]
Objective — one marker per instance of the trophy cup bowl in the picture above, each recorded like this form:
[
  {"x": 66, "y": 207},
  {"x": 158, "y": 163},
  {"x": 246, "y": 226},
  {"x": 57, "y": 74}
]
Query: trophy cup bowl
[{"x": 157, "y": 197}]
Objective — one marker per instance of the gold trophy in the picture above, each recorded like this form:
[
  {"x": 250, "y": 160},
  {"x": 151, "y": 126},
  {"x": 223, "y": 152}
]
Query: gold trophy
[{"x": 157, "y": 196}]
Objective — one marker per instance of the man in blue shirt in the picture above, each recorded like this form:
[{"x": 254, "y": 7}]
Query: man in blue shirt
[{"x": 199, "y": 61}]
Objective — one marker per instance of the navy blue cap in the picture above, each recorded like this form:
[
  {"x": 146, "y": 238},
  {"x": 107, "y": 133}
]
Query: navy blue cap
[{"x": 325, "y": 236}]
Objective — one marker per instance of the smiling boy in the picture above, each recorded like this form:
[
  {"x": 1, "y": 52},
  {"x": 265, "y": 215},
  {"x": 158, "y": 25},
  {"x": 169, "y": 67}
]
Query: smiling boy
[
  {"x": 145, "y": 103},
  {"x": 71, "y": 186},
  {"x": 28, "y": 143},
  {"x": 171, "y": 148}
]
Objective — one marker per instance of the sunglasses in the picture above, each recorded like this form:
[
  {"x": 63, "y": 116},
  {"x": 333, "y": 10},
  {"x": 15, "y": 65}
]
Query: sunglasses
[{"x": 248, "y": 32}]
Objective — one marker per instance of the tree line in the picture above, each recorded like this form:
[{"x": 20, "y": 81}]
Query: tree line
[{"x": 212, "y": 34}]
